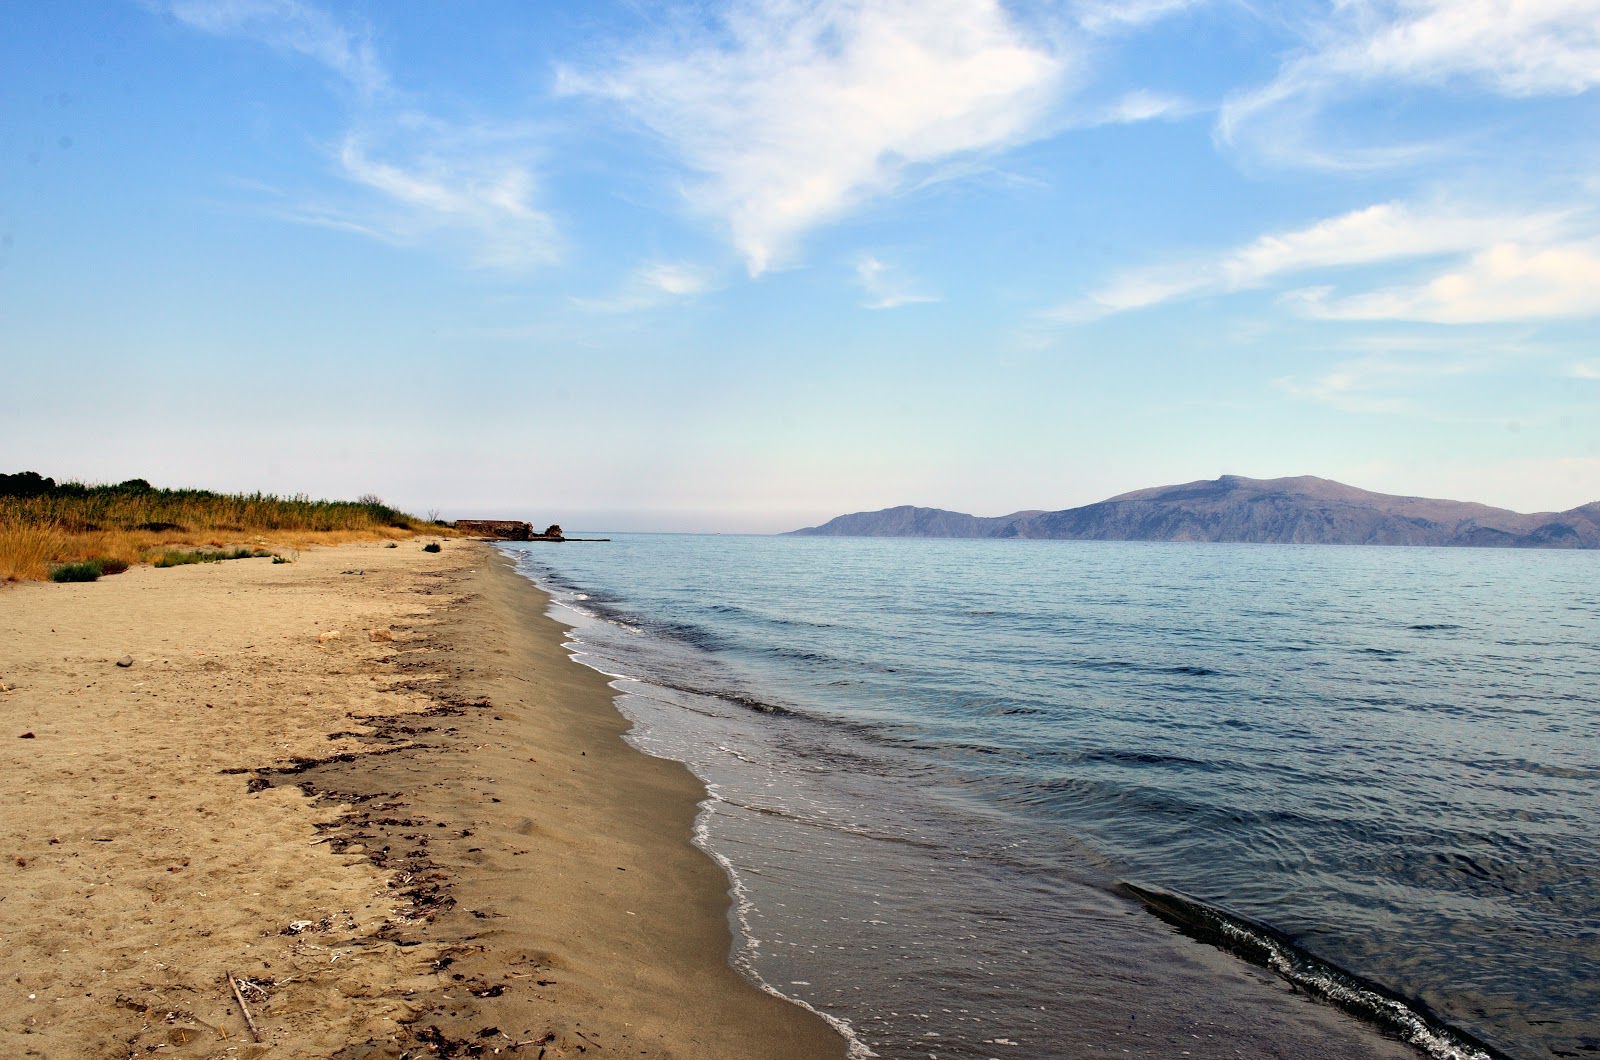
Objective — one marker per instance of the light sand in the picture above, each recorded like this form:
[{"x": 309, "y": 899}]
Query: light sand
[{"x": 490, "y": 865}]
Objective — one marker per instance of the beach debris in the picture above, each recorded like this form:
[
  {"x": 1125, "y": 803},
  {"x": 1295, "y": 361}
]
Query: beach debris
[
  {"x": 297, "y": 926},
  {"x": 378, "y": 636},
  {"x": 352, "y": 572},
  {"x": 27, "y": 736},
  {"x": 323, "y": 638},
  {"x": 249, "y": 1021},
  {"x": 125, "y": 662}
]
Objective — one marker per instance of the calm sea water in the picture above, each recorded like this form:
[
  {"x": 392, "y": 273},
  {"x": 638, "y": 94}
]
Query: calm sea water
[{"x": 934, "y": 764}]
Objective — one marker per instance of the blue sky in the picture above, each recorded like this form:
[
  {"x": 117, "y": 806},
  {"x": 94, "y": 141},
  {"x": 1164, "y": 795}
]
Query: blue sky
[{"x": 746, "y": 265}]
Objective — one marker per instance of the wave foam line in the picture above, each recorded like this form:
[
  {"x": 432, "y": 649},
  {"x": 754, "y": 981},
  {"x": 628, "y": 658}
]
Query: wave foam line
[{"x": 1262, "y": 946}]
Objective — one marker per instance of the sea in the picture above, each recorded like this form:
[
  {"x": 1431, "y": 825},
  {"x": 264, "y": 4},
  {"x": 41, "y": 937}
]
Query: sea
[{"x": 968, "y": 792}]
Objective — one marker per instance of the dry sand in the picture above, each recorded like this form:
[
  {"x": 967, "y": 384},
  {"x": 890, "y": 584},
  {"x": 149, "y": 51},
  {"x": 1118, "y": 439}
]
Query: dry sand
[{"x": 428, "y": 841}]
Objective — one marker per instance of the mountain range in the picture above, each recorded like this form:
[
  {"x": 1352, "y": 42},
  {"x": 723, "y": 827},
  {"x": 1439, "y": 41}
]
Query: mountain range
[{"x": 1303, "y": 510}]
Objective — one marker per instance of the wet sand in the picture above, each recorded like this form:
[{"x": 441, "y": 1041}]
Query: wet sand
[{"x": 424, "y": 840}]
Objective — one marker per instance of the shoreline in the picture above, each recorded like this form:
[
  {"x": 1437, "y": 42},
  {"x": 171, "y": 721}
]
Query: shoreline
[
  {"x": 429, "y": 840},
  {"x": 1135, "y": 982}
]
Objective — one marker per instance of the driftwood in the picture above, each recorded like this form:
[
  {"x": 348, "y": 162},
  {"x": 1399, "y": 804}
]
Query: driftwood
[{"x": 249, "y": 1021}]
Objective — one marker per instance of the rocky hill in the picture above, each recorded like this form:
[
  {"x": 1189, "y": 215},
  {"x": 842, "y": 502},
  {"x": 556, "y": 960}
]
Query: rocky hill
[{"x": 1302, "y": 510}]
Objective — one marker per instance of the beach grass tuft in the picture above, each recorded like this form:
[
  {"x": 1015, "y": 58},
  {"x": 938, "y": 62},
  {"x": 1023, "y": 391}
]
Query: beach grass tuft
[
  {"x": 87, "y": 571},
  {"x": 200, "y": 555}
]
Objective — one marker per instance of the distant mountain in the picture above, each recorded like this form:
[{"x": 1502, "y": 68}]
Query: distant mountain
[
  {"x": 906, "y": 521},
  {"x": 1302, "y": 510}
]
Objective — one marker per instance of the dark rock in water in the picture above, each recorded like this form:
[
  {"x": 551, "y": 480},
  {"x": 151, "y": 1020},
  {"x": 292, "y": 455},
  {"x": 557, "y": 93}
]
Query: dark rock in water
[{"x": 1304, "y": 510}]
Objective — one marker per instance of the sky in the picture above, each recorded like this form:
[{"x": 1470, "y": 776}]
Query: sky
[{"x": 744, "y": 265}]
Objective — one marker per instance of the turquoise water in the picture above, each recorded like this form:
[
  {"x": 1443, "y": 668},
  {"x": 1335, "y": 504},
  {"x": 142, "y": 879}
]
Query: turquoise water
[{"x": 1378, "y": 768}]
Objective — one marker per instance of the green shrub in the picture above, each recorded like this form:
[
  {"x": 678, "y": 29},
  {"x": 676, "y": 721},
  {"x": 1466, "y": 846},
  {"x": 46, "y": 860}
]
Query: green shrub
[
  {"x": 179, "y": 559},
  {"x": 281, "y": 559},
  {"x": 87, "y": 571},
  {"x": 111, "y": 566}
]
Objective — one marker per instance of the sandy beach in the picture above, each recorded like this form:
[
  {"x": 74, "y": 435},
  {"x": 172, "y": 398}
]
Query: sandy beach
[{"x": 369, "y": 786}]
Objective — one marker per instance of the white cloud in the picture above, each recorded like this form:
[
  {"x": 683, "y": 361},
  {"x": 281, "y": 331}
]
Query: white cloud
[
  {"x": 1110, "y": 16},
  {"x": 1503, "y": 282},
  {"x": 801, "y": 110},
  {"x": 293, "y": 26},
  {"x": 1377, "y": 383},
  {"x": 1584, "y": 371},
  {"x": 1512, "y": 48},
  {"x": 468, "y": 188},
  {"x": 1143, "y": 105},
  {"x": 651, "y": 285},
  {"x": 1374, "y": 235},
  {"x": 464, "y": 186},
  {"x": 885, "y": 287}
]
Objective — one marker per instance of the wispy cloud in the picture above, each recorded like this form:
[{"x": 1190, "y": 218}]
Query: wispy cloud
[
  {"x": 1112, "y": 16},
  {"x": 651, "y": 285},
  {"x": 290, "y": 26},
  {"x": 1378, "y": 383},
  {"x": 1142, "y": 105},
  {"x": 458, "y": 185},
  {"x": 1508, "y": 249},
  {"x": 885, "y": 286},
  {"x": 795, "y": 112},
  {"x": 1504, "y": 282},
  {"x": 466, "y": 187},
  {"x": 1511, "y": 49}
]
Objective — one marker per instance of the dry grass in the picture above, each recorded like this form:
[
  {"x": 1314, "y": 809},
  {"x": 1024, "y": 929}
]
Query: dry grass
[
  {"x": 27, "y": 549},
  {"x": 37, "y": 533}
]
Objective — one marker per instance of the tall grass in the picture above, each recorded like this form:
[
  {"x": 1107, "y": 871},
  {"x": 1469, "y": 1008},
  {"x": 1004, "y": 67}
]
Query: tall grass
[
  {"x": 109, "y": 508},
  {"x": 27, "y": 548},
  {"x": 74, "y": 523}
]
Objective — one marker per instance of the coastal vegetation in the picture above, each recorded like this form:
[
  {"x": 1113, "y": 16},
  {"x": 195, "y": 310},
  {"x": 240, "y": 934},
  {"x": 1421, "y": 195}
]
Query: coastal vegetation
[
  {"x": 200, "y": 555},
  {"x": 46, "y": 526}
]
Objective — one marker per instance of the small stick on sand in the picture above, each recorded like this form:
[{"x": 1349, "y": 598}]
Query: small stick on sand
[{"x": 249, "y": 1021}]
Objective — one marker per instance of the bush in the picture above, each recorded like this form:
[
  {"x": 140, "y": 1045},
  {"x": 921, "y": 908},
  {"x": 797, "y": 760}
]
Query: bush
[
  {"x": 179, "y": 559},
  {"x": 87, "y": 571},
  {"x": 111, "y": 566},
  {"x": 431, "y": 546}
]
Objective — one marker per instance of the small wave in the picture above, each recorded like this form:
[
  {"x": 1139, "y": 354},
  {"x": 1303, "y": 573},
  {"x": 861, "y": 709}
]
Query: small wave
[
  {"x": 743, "y": 906},
  {"x": 1260, "y": 945},
  {"x": 1143, "y": 758},
  {"x": 1429, "y": 627}
]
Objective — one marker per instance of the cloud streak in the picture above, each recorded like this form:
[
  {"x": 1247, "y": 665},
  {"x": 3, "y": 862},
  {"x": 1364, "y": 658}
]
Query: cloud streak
[
  {"x": 885, "y": 287},
  {"x": 1516, "y": 266},
  {"x": 1510, "y": 49},
  {"x": 465, "y": 187},
  {"x": 1504, "y": 282},
  {"x": 796, "y": 113},
  {"x": 291, "y": 26},
  {"x": 655, "y": 284}
]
